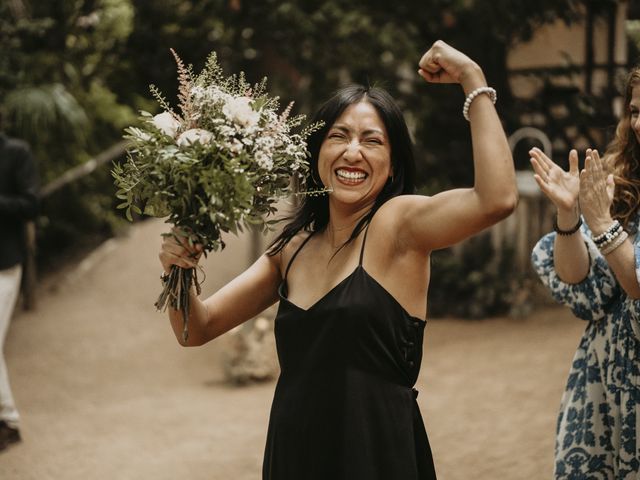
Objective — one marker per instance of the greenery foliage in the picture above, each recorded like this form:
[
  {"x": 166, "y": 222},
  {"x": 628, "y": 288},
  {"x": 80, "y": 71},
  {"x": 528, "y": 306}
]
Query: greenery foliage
[
  {"x": 56, "y": 61},
  {"x": 219, "y": 164},
  {"x": 477, "y": 282}
]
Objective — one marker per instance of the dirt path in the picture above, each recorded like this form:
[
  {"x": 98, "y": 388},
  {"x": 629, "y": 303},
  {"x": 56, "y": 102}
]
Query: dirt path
[{"x": 106, "y": 393}]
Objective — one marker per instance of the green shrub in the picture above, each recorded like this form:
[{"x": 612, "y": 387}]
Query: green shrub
[{"x": 474, "y": 283}]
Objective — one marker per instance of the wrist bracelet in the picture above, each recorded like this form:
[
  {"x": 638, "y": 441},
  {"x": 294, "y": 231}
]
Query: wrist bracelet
[
  {"x": 566, "y": 232},
  {"x": 619, "y": 240},
  {"x": 609, "y": 234},
  {"x": 493, "y": 95}
]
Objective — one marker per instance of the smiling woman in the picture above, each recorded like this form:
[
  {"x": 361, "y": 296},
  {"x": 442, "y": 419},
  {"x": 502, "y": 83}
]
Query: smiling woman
[
  {"x": 356, "y": 153},
  {"x": 366, "y": 127},
  {"x": 351, "y": 272}
]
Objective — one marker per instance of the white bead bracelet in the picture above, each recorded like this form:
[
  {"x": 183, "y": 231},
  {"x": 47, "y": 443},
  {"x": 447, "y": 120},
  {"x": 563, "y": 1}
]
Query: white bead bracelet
[{"x": 493, "y": 95}]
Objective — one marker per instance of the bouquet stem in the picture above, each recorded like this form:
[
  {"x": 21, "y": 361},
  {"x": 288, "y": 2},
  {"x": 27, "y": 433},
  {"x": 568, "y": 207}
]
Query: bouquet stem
[{"x": 175, "y": 294}]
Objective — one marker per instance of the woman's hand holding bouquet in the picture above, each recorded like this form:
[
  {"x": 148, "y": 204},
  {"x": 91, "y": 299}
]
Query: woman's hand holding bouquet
[{"x": 218, "y": 165}]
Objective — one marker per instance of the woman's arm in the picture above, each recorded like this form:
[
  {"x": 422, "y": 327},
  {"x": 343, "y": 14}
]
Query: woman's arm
[
  {"x": 244, "y": 297},
  {"x": 596, "y": 196},
  {"x": 595, "y": 191},
  {"x": 623, "y": 263},
  {"x": 571, "y": 258},
  {"x": 430, "y": 223},
  {"x": 570, "y": 255},
  {"x": 590, "y": 297}
]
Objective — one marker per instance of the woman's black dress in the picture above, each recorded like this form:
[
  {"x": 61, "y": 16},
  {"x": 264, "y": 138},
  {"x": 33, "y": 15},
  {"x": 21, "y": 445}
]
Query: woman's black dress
[{"x": 344, "y": 406}]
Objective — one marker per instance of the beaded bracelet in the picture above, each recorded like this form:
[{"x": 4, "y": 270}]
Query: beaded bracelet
[
  {"x": 619, "y": 240},
  {"x": 611, "y": 238},
  {"x": 493, "y": 95},
  {"x": 566, "y": 232},
  {"x": 609, "y": 234}
]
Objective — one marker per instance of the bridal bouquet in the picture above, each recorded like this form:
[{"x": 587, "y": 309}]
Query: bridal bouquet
[{"x": 219, "y": 162}]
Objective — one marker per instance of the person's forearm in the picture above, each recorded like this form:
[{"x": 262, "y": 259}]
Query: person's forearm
[
  {"x": 623, "y": 263},
  {"x": 495, "y": 181},
  {"x": 570, "y": 255},
  {"x": 571, "y": 258},
  {"x": 621, "y": 260},
  {"x": 196, "y": 324}
]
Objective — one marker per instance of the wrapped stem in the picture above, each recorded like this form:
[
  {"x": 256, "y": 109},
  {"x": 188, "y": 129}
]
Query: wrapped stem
[{"x": 175, "y": 294}]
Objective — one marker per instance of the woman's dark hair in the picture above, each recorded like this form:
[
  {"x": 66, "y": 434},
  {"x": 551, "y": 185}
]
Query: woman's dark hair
[{"x": 313, "y": 212}]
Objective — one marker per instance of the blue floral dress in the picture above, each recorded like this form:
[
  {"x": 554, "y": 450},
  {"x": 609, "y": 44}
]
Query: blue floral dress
[{"x": 600, "y": 409}]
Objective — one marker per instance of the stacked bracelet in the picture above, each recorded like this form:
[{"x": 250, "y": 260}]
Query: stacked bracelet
[
  {"x": 608, "y": 235},
  {"x": 611, "y": 239},
  {"x": 615, "y": 243},
  {"x": 566, "y": 232},
  {"x": 493, "y": 95}
]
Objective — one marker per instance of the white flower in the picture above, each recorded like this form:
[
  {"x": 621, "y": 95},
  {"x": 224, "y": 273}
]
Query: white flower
[
  {"x": 194, "y": 135},
  {"x": 209, "y": 94},
  {"x": 265, "y": 143},
  {"x": 197, "y": 92},
  {"x": 291, "y": 150},
  {"x": 235, "y": 146},
  {"x": 264, "y": 160},
  {"x": 218, "y": 95},
  {"x": 272, "y": 117},
  {"x": 166, "y": 123},
  {"x": 239, "y": 110},
  {"x": 226, "y": 131}
]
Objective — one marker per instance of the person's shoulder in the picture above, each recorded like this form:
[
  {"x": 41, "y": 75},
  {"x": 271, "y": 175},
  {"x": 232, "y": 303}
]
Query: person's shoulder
[
  {"x": 295, "y": 243},
  {"x": 291, "y": 247}
]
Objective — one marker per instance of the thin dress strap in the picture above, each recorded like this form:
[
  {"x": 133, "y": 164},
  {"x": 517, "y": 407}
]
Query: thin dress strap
[
  {"x": 293, "y": 257},
  {"x": 364, "y": 240}
]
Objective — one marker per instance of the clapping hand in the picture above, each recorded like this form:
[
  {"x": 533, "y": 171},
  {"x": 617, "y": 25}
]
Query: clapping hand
[
  {"x": 596, "y": 193},
  {"x": 592, "y": 188},
  {"x": 561, "y": 187}
]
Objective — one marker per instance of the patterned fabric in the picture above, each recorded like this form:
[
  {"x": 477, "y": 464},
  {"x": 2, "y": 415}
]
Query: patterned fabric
[{"x": 600, "y": 409}]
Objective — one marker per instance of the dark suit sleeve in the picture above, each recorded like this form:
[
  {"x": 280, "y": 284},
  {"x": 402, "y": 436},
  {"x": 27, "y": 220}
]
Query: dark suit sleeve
[{"x": 23, "y": 204}]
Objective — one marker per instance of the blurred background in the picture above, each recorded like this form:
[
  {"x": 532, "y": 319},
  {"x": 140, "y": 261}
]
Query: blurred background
[{"x": 74, "y": 74}]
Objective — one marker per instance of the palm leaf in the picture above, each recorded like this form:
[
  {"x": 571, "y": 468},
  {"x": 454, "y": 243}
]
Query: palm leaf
[{"x": 45, "y": 108}]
